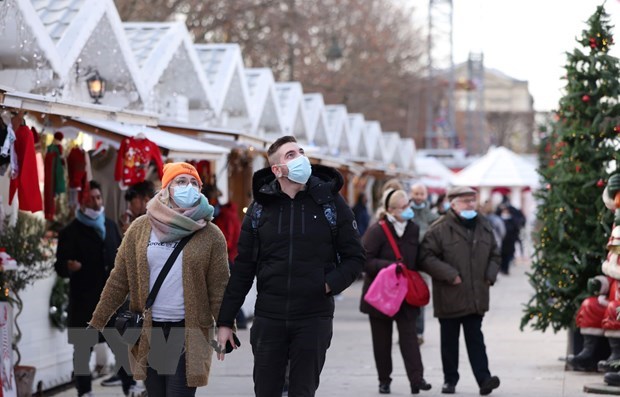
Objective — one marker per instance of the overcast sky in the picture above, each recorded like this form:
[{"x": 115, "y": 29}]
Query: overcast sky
[{"x": 526, "y": 39}]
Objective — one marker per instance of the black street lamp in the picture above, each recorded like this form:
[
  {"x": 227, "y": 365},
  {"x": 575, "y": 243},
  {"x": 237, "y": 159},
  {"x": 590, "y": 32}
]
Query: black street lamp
[
  {"x": 96, "y": 87},
  {"x": 334, "y": 56}
]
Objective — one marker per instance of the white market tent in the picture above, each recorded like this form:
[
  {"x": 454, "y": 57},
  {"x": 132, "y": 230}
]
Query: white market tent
[
  {"x": 261, "y": 88},
  {"x": 500, "y": 167},
  {"x": 338, "y": 124},
  {"x": 318, "y": 131},
  {"x": 355, "y": 131},
  {"x": 371, "y": 139},
  {"x": 389, "y": 146},
  {"x": 223, "y": 65},
  {"x": 433, "y": 173},
  {"x": 290, "y": 101},
  {"x": 171, "y": 71}
]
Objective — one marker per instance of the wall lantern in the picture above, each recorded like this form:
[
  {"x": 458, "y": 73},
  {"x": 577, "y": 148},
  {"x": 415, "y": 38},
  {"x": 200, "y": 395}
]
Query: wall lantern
[{"x": 96, "y": 87}]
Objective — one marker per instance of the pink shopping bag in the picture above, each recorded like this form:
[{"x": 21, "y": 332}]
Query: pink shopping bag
[{"x": 387, "y": 291}]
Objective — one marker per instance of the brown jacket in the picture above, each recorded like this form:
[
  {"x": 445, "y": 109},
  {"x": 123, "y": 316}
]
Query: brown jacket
[
  {"x": 379, "y": 254},
  {"x": 205, "y": 275},
  {"x": 449, "y": 250}
]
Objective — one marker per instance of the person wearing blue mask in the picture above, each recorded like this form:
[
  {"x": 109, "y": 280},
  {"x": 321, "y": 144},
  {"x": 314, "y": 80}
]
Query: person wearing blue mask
[
  {"x": 301, "y": 255},
  {"x": 424, "y": 217},
  {"x": 460, "y": 253},
  {"x": 397, "y": 215}
]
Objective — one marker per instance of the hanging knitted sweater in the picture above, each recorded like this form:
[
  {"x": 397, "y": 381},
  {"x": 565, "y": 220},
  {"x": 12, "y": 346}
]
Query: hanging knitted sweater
[
  {"x": 27, "y": 182},
  {"x": 134, "y": 157},
  {"x": 54, "y": 183}
]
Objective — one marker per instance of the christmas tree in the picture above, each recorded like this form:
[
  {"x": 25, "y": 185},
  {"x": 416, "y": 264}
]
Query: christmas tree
[{"x": 577, "y": 157}]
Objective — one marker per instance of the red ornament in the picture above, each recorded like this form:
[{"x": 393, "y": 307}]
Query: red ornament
[
  {"x": 592, "y": 42},
  {"x": 585, "y": 98},
  {"x": 600, "y": 183},
  {"x": 578, "y": 168},
  {"x": 617, "y": 129}
]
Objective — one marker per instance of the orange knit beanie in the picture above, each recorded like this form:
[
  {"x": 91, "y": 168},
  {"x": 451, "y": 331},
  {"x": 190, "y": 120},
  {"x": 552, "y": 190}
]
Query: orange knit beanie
[{"x": 172, "y": 170}]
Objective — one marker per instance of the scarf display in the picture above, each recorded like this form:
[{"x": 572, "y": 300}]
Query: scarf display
[
  {"x": 399, "y": 227},
  {"x": 172, "y": 224},
  {"x": 98, "y": 224}
]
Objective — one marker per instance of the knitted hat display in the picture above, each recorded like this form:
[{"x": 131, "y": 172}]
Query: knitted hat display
[
  {"x": 59, "y": 135},
  {"x": 172, "y": 170}
]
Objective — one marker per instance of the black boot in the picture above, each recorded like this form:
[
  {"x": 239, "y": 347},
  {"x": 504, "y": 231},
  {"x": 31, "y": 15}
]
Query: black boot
[
  {"x": 586, "y": 359},
  {"x": 605, "y": 365},
  {"x": 612, "y": 378}
]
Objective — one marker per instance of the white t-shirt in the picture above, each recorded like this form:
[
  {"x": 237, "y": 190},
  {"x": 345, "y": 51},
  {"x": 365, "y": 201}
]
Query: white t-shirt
[{"x": 169, "y": 303}]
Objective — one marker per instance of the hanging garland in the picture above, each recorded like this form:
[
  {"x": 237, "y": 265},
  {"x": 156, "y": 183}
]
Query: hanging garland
[{"x": 59, "y": 302}]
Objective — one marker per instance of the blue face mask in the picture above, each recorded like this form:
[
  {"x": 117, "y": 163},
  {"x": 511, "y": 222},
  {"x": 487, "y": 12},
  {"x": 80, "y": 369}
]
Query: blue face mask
[
  {"x": 468, "y": 214},
  {"x": 407, "y": 214},
  {"x": 418, "y": 206},
  {"x": 299, "y": 170},
  {"x": 446, "y": 206},
  {"x": 185, "y": 196},
  {"x": 216, "y": 210}
]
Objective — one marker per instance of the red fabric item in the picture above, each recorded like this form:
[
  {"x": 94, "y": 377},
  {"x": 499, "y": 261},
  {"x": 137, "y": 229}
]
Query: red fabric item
[
  {"x": 609, "y": 322},
  {"x": 27, "y": 182},
  {"x": 48, "y": 186},
  {"x": 417, "y": 291},
  {"x": 76, "y": 166},
  {"x": 230, "y": 225},
  {"x": 134, "y": 157}
]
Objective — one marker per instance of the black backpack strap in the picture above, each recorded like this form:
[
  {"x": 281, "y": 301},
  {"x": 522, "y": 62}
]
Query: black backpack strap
[
  {"x": 255, "y": 214},
  {"x": 164, "y": 271}
]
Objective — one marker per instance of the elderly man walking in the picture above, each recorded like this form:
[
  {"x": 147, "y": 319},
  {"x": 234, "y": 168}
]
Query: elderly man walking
[{"x": 460, "y": 253}]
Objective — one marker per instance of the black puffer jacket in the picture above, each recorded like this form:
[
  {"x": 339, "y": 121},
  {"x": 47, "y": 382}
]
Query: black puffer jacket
[{"x": 296, "y": 256}]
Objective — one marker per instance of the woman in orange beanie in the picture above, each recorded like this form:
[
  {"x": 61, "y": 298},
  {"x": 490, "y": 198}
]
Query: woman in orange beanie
[{"x": 191, "y": 293}]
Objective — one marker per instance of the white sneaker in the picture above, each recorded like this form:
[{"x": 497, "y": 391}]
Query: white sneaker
[{"x": 137, "y": 391}]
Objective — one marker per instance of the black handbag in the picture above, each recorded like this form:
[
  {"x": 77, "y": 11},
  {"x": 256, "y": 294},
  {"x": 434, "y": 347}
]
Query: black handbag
[{"x": 131, "y": 320}]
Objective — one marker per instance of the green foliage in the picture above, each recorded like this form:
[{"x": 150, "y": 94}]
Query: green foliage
[
  {"x": 59, "y": 303},
  {"x": 27, "y": 244},
  {"x": 573, "y": 223}
]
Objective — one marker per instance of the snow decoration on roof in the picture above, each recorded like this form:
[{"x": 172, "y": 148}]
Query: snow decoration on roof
[
  {"x": 261, "y": 89},
  {"x": 371, "y": 138},
  {"x": 500, "y": 167},
  {"x": 318, "y": 132},
  {"x": 290, "y": 102},
  {"x": 223, "y": 66},
  {"x": 338, "y": 124},
  {"x": 171, "y": 70},
  {"x": 389, "y": 146},
  {"x": 356, "y": 128}
]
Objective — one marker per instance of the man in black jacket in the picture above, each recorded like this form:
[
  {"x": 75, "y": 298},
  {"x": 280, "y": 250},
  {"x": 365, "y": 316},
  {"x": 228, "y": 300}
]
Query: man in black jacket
[
  {"x": 300, "y": 262},
  {"x": 86, "y": 250}
]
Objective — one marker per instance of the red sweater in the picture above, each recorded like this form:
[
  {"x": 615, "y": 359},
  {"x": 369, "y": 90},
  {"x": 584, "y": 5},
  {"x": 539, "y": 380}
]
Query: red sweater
[
  {"x": 230, "y": 225},
  {"x": 134, "y": 157},
  {"x": 27, "y": 182}
]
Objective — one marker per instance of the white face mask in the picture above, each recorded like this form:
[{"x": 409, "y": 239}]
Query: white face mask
[{"x": 91, "y": 213}]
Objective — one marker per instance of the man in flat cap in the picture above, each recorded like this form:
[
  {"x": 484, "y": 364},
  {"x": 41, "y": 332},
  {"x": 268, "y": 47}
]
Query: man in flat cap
[{"x": 460, "y": 253}]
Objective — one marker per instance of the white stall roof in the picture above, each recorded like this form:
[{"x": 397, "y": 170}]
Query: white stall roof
[
  {"x": 407, "y": 153},
  {"x": 389, "y": 148},
  {"x": 78, "y": 28},
  {"x": 290, "y": 101},
  {"x": 338, "y": 124},
  {"x": 261, "y": 89},
  {"x": 500, "y": 167},
  {"x": 433, "y": 172},
  {"x": 318, "y": 132},
  {"x": 356, "y": 129},
  {"x": 167, "y": 59},
  {"x": 179, "y": 147},
  {"x": 371, "y": 138},
  {"x": 223, "y": 66}
]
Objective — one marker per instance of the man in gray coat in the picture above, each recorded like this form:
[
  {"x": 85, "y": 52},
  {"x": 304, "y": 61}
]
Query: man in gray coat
[{"x": 460, "y": 253}]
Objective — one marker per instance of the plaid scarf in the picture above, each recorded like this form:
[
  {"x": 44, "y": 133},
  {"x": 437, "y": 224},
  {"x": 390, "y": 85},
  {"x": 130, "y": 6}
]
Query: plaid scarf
[{"x": 172, "y": 224}]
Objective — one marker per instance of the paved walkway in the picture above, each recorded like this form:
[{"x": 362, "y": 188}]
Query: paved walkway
[{"x": 528, "y": 363}]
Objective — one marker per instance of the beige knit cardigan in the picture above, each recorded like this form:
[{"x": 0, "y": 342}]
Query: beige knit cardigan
[{"x": 205, "y": 275}]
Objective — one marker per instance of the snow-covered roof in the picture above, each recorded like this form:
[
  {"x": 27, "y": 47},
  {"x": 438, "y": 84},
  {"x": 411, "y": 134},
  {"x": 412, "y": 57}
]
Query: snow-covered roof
[
  {"x": 338, "y": 124},
  {"x": 223, "y": 66},
  {"x": 169, "y": 64},
  {"x": 318, "y": 131},
  {"x": 389, "y": 146},
  {"x": 290, "y": 102},
  {"x": 500, "y": 167},
  {"x": 356, "y": 128},
  {"x": 371, "y": 139},
  {"x": 261, "y": 89},
  {"x": 407, "y": 153},
  {"x": 179, "y": 147}
]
